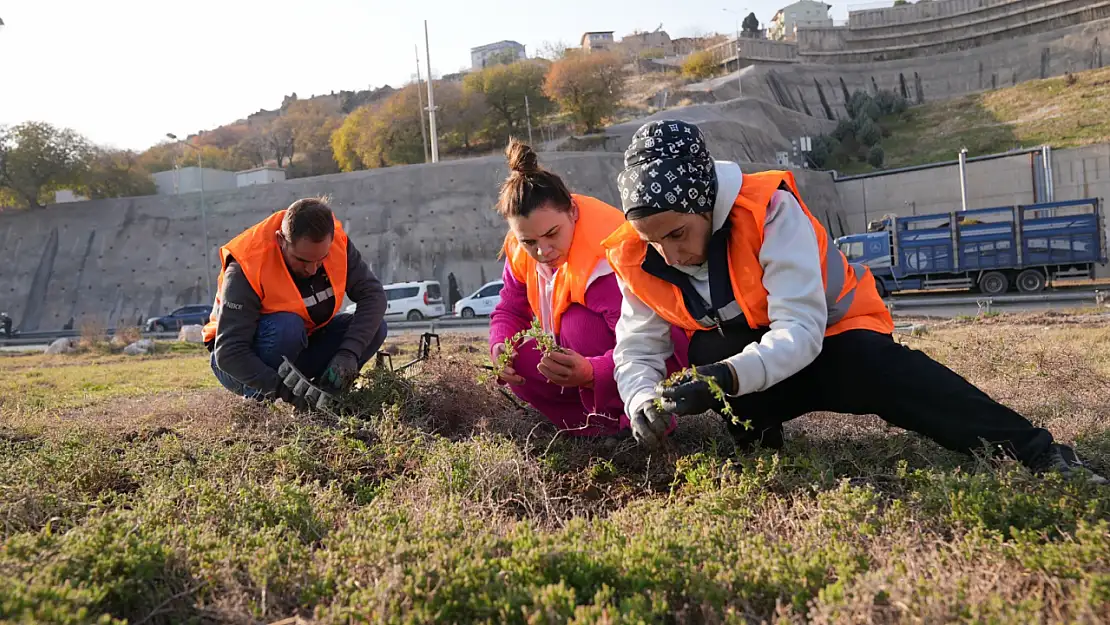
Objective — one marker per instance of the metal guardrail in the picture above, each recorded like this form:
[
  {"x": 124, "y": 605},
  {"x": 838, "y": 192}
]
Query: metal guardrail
[
  {"x": 1096, "y": 297},
  {"x": 926, "y": 302},
  {"x": 430, "y": 325}
]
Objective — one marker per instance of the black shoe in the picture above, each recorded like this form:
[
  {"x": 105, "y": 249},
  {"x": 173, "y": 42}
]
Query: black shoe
[
  {"x": 767, "y": 437},
  {"x": 1062, "y": 460}
]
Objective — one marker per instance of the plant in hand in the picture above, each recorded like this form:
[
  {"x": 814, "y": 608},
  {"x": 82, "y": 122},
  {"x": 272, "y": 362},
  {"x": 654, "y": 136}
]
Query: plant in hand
[
  {"x": 544, "y": 340},
  {"x": 690, "y": 375}
]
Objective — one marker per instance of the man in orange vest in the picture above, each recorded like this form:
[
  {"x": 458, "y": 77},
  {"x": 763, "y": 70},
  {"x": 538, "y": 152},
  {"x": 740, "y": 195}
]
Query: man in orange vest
[
  {"x": 778, "y": 318},
  {"x": 279, "y": 294}
]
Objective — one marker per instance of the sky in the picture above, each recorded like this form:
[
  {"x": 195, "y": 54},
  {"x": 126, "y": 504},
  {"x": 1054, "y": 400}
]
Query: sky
[{"x": 125, "y": 72}]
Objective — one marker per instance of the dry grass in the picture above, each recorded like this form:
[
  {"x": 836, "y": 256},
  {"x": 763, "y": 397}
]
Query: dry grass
[{"x": 430, "y": 498}]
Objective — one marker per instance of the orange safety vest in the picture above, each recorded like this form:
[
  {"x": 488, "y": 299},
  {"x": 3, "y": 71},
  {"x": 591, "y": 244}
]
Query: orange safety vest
[
  {"x": 853, "y": 302},
  {"x": 260, "y": 258},
  {"x": 596, "y": 220}
]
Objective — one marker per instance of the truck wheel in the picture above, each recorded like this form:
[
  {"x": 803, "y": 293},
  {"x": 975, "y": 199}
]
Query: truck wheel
[
  {"x": 994, "y": 283},
  {"x": 881, "y": 288},
  {"x": 1030, "y": 281}
]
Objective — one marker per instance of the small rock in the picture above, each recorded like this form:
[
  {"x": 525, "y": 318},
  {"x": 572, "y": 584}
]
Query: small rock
[
  {"x": 919, "y": 329},
  {"x": 61, "y": 346},
  {"x": 191, "y": 334},
  {"x": 139, "y": 348}
]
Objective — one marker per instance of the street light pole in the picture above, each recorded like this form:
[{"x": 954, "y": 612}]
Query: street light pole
[
  {"x": 203, "y": 214},
  {"x": 739, "y": 80}
]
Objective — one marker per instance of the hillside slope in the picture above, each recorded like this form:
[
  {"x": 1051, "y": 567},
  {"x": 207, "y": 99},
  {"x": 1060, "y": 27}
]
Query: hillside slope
[{"x": 1063, "y": 112}]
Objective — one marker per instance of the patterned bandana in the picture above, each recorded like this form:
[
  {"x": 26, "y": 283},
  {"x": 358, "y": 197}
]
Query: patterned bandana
[{"x": 667, "y": 168}]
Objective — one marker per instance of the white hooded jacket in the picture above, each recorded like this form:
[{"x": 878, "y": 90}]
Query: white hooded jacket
[{"x": 796, "y": 305}]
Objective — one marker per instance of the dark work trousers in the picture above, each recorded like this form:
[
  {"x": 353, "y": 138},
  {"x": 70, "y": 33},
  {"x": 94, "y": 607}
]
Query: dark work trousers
[{"x": 862, "y": 372}]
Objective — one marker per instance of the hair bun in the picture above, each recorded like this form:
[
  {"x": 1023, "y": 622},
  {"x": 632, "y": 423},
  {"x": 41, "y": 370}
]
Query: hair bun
[{"x": 521, "y": 158}]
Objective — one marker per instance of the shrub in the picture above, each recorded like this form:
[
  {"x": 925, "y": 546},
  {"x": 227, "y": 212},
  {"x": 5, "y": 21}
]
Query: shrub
[
  {"x": 699, "y": 65},
  {"x": 875, "y": 156}
]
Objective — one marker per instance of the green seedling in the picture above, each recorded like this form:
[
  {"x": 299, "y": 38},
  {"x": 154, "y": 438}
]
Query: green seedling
[
  {"x": 714, "y": 388},
  {"x": 544, "y": 340}
]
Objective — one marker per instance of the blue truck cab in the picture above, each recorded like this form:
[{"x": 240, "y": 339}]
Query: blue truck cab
[{"x": 993, "y": 250}]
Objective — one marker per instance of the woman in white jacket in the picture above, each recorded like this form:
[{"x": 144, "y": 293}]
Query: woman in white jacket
[{"x": 777, "y": 316}]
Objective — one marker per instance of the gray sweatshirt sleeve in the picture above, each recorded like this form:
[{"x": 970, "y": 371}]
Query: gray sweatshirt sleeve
[
  {"x": 365, "y": 290},
  {"x": 795, "y": 300},
  {"x": 240, "y": 309}
]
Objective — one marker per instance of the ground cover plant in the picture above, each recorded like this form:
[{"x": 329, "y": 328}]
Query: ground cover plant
[{"x": 156, "y": 497}]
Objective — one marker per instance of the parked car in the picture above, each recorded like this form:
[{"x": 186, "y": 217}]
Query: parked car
[
  {"x": 184, "y": 316},
  {"x": 481, "y": 302},
  {"x": 411, "y": 301}
]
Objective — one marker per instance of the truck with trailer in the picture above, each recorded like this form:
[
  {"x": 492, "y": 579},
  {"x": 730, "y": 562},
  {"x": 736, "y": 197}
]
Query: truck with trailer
[{"x": 992, "y": 250}]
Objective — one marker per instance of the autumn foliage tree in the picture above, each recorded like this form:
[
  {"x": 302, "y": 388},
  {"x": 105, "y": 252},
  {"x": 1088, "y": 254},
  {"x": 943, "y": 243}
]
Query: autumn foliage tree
[
  {"x": 699, "y": 65},
  {"x": 588, "y": 86},
  {"x": 381, "y": 135},
  {"x": 510, "y": 92},
  {"x": 305, "y": 128},
  {"x": 115, "y": 173}
]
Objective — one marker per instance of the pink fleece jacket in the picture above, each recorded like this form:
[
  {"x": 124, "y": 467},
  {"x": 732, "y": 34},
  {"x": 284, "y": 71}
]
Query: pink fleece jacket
[{"x": 588, "y": 330}]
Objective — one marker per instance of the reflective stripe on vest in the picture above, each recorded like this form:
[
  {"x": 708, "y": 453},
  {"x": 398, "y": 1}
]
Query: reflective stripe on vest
[{"x": 596, "y": 221}]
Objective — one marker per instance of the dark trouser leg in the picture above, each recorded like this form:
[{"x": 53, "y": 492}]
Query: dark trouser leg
[
  {"x": 277, "y": 335},
  {"x": 863, "y": 372},
  {"x": 768, "y": 410},
  {"x": 325, "y": 342}
]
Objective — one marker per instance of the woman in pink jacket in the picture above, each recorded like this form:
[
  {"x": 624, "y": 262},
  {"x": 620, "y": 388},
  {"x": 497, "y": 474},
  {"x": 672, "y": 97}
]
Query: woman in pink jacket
[{"x": 555, "y": 271}]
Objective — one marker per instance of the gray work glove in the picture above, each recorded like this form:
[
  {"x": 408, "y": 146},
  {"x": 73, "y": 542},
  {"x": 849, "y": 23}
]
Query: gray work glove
[
  {"x": 649, "y": 425},
  {"x": 691, "y": 396},
  {"x": 340, "y": 373},
  {"x": 286, "y": 394}
]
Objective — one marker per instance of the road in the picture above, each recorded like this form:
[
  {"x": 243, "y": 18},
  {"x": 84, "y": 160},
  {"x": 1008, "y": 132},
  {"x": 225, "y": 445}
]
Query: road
[{"x": 944, "y": 305}]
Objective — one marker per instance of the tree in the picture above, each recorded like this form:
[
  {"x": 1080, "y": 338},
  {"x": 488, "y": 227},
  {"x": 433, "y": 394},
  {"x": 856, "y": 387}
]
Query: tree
[
  {"x": 750, "y": 24},
  {"x": 463, "y": 114},
  {"x": 37, "y": 158},
  {"x": 305, "y": 127},
  {"x": 552, "y": 50},
  {"x": 875, "y": 156},
  {"x": 899, "y": 3},
  {"x": 115, "y": 173},
  {"x": 699, "y": 65},
  {"x": 862, "y": 104},
  {"x": 868, "y": 134},
  {"x": 381, "y": 135},
  {"x": 505, "y": 88},
  {"x": 589, "y": 87}
]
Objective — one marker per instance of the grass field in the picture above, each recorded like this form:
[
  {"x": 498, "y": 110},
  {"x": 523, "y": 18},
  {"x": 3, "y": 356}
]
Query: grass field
[
  {"x": 1062, "y": 112},
  {"x": 135, "y": 489}
]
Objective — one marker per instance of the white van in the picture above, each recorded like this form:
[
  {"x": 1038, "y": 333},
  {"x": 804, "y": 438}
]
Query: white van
[
  {"x": 411, "y": 301},
  {"x": 480, "y": 303}
]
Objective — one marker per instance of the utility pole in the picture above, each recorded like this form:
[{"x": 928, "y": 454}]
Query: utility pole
[
  {"x": 420, "y": 97},
  {"x": 528, "y": 114},
  {"x": 203, "y": 211},
  {"x": 431, "y": 97}
]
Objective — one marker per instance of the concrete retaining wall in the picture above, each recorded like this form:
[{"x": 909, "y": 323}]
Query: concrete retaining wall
[
  {"x": 802, "y": 86},
  {"x": 117, "y": 262},
  {"x": 990, "y": 23}
]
